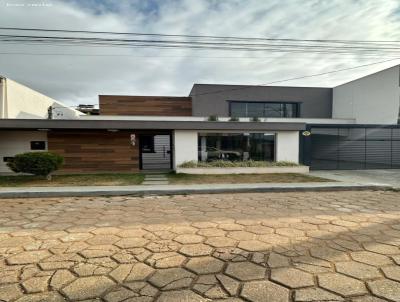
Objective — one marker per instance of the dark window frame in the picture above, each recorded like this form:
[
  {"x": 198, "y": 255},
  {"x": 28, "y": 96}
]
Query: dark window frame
[
  {"x": 42, "y": 145},
  {"x": 297, "y": 113},
  {"x": 142, "y": 143}
]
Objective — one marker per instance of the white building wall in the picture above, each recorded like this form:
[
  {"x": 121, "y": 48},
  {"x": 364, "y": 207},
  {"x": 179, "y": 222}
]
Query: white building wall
[
  {"x": 287, "y": 146},
  {"x": 185, "y": 146},
  {"x": 186, "y": 149},
  {"x": 15, "y": 142},
  {"x": 21, "y": 102},
  {"x": 374, "y": 99}
]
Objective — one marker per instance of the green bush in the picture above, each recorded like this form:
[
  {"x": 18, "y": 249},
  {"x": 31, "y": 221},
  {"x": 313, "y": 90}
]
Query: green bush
[
  {"x": 234, "y": 119},
  {"x": 37, "y": 163},
  {"x": 213, "y": 118},
  {"x": 236, "y": 164}
]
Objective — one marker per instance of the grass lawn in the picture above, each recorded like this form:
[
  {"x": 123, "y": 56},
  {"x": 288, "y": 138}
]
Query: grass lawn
[
  {"x": 72, "y": 180},
  {"x": 242, "y": 178}
]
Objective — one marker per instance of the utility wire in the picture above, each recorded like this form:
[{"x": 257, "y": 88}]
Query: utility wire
[
  {"x": 281, "y": 81},
  {"x": 294, "y": 78},
  {"x": 195, "y": 36}
]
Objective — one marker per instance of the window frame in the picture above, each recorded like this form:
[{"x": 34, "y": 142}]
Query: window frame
[
  {"x": 33, "y": 148},
  {"x": 297, "y": 113},
  {"x": 152, "y": 144}
]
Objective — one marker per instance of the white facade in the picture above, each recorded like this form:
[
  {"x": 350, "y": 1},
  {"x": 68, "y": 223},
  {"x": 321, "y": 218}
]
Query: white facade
[
  {"x": 17, "y": 142},
  {"x": 185, "y": 146},
  {"x": 20, "y": 102},
  {"x": 374, "y": 99},
  {"x": 287, "y": 146}
]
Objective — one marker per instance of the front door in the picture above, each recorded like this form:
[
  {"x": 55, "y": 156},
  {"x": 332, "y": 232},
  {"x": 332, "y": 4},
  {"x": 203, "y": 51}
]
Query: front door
[{"x": 155, "y": 152}]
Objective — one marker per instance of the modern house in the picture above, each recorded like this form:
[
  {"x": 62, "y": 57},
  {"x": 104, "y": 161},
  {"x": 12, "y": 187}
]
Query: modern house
[{"x": 351, "y": 126}]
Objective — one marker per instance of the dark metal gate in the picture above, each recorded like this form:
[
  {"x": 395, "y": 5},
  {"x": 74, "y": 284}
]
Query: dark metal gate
[
  {"x": 354, "y": 147},
  {"x": 155, "y": 152}
]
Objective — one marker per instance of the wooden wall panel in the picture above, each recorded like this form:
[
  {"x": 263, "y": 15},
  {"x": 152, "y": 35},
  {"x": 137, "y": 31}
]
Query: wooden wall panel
[
  {"x": 145, "y": 105},
  {"x": 95, "y": 151}
]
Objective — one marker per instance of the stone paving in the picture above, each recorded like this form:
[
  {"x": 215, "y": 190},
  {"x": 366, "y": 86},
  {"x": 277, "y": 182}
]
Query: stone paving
[{"x": 325, "y": 246}]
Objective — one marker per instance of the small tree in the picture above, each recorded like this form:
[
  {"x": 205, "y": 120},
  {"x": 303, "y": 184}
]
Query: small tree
[{"x": 37, "y": 163}]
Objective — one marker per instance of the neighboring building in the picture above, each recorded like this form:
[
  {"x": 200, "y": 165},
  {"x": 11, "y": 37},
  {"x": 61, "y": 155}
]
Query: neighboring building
[
  {"x": 352, "y": 126},
  {"x": 20, "y": 102}
]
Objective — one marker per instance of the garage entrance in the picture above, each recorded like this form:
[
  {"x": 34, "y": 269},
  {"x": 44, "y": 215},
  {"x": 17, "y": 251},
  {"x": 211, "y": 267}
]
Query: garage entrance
[{"x": 344, "y": 147}]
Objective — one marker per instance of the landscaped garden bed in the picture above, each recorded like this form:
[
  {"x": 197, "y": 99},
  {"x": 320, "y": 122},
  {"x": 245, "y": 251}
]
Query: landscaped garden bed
[{"x": 240, "y": 167}]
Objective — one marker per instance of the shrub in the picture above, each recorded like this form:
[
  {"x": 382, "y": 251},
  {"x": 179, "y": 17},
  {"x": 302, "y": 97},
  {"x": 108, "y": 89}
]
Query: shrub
[
  {"x": 255, "y": 119},
  {"x": 37, "y": 163},
  {"x": 213, "y": 118},
  {"x": 234, "y": 119},
  {"x": 236, "y": 164}
]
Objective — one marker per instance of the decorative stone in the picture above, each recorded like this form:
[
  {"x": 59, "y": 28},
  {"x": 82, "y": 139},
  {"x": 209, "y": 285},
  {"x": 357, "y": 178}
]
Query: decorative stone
[
  {"x": 262, "y": 291},
  {"x": 189, "y": 238},
  {"x": 314, "y": 295},
  {"x": 36, "y": 284},
  {"x": 387, "y": 289},
  {"x": 245, "y": 271},
  {"x": 357, "y": 270},
  {"x": 205, "y": 265},
  {"x": 172, "y": 278},
  {"x": 194, "y": 250},
  {"x": 292, "y": 277},
  {"x": 165, "y": 260},
  {"x": 341, "y": 284},
  {"x": 181, "y": 295},
  {"x": 87, "y": 287},
  {"x": 28, "y": 257}
]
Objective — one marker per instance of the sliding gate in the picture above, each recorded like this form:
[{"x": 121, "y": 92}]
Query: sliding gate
[{"x": 351, "y": 147}]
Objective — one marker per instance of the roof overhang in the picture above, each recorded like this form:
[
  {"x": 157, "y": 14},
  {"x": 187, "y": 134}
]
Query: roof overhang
[{"x": 35, "y": 124}]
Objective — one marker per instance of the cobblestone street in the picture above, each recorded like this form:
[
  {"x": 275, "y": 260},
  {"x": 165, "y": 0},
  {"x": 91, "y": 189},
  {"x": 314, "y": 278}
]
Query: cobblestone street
[{"x": 322, "y": 246}]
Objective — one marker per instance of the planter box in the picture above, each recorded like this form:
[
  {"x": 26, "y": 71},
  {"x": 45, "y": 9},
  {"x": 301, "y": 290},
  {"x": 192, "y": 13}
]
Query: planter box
[{"x": 244, "y": 170}]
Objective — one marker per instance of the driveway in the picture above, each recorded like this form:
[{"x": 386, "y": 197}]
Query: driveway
[
  {"x": 325, "y": 246},
  {"x": 383, "y": 177}
]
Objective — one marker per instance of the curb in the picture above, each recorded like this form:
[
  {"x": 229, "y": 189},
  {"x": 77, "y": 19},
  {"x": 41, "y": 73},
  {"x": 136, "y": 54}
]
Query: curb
[{"x": 186, "y": 191}]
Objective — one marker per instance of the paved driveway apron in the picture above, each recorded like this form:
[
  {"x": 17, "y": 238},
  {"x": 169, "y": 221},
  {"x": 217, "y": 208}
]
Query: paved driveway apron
[{"x": 325, "y": 246}]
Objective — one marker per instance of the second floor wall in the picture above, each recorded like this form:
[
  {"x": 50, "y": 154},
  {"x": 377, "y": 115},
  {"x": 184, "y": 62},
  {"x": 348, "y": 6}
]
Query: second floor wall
[{"x": 239, "y": 100}]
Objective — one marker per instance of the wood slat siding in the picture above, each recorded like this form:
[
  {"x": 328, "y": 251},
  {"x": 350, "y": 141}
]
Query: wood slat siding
[
  {"x": 145, "y": 105},
  {"x": 95, "y": 151}
]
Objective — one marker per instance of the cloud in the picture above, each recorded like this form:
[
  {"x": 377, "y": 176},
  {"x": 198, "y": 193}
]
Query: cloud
[{"x": 79, "y": 79}]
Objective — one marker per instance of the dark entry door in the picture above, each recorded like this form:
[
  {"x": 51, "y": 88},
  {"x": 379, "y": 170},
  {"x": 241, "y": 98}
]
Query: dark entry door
[{"x": 155, "y": 152}]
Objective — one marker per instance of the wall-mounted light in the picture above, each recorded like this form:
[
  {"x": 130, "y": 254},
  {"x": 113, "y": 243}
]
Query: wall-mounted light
[{"x": 112, "y": 130}]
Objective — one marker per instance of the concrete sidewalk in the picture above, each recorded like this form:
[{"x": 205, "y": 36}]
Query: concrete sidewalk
[{"x": 24, "y": 192}]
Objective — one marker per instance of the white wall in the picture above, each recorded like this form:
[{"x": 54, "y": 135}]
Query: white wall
[
  {"x": 14, "y": 142},
  {"x": 374, "y": 99},
  {"x": 22, "y": 102},
  {"x": 287, "y": 146},
  {"x": 185, "y": 146},
  {"x": 186, "y": 149}
]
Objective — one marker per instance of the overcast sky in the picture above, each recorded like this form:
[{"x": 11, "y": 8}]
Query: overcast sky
[{"x": 81, "y": 77}]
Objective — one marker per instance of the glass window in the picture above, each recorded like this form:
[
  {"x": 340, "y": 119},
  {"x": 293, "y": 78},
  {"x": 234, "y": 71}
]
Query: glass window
[
  {"x": 264, "y": 109},
  {"x": 147, "y": 143},
  {"x": 236, "y": 146},
  {"x": 38, "y": 145}
]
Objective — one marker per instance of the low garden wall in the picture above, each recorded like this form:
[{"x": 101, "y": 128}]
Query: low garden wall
[{"x": 243, "y": 170}]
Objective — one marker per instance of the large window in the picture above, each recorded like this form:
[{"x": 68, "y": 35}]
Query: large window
[
  {"x": 236, "y": 146},
  {"x": 263, "y": 109}
]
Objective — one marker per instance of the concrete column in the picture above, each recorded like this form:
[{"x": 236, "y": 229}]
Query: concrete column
[
  {"x": 185, "y": 146},
  {"x": 287, "y": 146}
]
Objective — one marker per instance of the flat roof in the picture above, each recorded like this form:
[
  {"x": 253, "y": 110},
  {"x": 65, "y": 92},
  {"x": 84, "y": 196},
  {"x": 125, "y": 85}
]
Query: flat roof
[{"x": 29, "y": 124}]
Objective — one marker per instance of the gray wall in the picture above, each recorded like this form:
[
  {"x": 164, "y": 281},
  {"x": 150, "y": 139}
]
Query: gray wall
[
  {"x": 373, "y": 99},
  {"x": 213, "y": 99}
]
